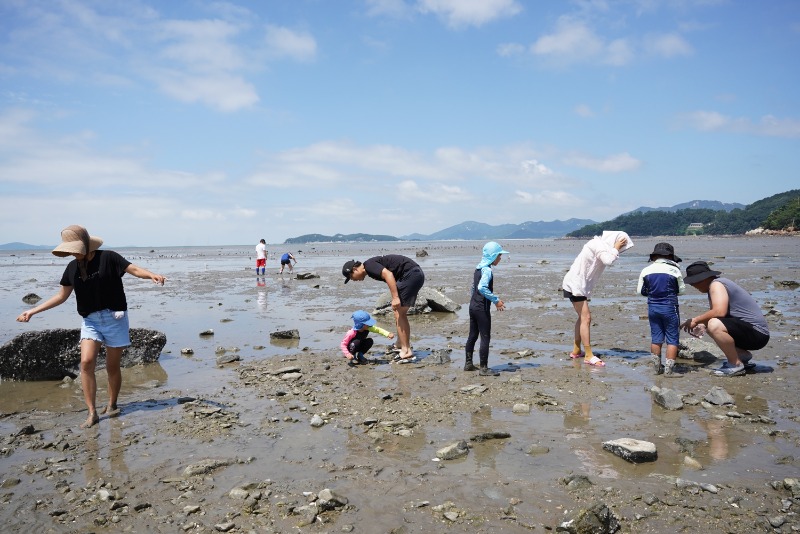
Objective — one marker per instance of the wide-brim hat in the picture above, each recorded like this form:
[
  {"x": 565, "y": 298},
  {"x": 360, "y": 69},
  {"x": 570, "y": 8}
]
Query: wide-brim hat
[
  {"x": 665, "y": 250},
  {"x": 699, "y": 271},
  {"x": 76, "y": 240}
]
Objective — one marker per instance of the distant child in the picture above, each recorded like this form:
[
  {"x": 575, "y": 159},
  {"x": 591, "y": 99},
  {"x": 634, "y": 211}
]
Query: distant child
[
  {"x": 661, "y": 282},
  {"x": 261, "y": 257},
  {"x": 600, "y": 252},
  {"x": 286, "y": 261},
  {"x": 480, "y": 320},
  {"x": 357, "y": 341}
]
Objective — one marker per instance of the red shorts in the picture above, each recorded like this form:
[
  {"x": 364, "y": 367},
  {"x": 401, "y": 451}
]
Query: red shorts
[{"x": 261, "y": 263}]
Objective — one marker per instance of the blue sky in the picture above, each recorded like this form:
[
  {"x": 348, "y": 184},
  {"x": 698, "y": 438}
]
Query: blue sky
[{"x": 196, "y": 122}]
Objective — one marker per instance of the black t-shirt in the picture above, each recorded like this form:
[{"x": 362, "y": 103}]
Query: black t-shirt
[
  {"x": 397, "y": 264},
  {"x": 102, "y": 289}
]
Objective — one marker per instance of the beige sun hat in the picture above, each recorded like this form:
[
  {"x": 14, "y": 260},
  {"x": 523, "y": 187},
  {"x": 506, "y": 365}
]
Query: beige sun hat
[{"x": 76, "y": 240}]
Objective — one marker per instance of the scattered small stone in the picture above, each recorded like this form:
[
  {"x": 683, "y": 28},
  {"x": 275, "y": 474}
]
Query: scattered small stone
[
  {"x": 453, "y": 451},
  {"x": 718, "y": 396},
  {"x": 521, "y": 407}
]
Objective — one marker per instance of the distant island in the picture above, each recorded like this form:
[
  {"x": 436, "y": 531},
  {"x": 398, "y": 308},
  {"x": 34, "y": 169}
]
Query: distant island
[
  {"x": 338, "y": 238},
  {"x": 468, "y": 231}
]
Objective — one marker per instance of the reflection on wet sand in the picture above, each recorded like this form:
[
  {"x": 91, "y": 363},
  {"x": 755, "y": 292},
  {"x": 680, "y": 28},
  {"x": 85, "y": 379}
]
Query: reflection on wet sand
[{"x": 106, "y": 457}]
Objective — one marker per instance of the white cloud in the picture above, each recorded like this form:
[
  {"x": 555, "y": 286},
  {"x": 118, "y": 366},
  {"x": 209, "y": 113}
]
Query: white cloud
[
  {"x": 510, "y": 49},
  {"x": 548, "y": 198},
  {"x": 767, "y": 126},
  {"x": 612, "y": 164},
  {"x": 437, "y": 193},
  {"x": 461, "y": 13},
  {"x": 222, "y": 91},
  {"x": 283, "y": 42},
  {"x": 583, "y": 110},
  {"x": 390, "y": 8},
  {"x": 572, "y": 41},
  {"x": 667, "y": 45}
]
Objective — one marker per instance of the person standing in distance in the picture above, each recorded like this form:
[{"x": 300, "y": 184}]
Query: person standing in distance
[
  {"x": 261, "y": 257},
  {"x": 404, "y": 278},
  {"x": 96, "y": 277}
]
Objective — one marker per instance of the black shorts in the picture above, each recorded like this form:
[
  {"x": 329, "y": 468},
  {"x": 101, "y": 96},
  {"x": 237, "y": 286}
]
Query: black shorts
[
  {"x": 286, "y": 262},
  {"x": 574, "y": 298},
  {"x": 744, "y": 335},
  {"x": 408, "y": 288}
]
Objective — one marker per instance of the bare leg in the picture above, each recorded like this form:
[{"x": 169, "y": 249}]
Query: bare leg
[
  {"x": 113, "y": 358},
  {"x": 672, "y": 352},
  {"x": 582, "y": 327},
  {"x": 655, "y": 348},
  {"x": 718, "y": 332},
  {"x": 403, "y": 331},
  {"x": 89, "y": 351}
]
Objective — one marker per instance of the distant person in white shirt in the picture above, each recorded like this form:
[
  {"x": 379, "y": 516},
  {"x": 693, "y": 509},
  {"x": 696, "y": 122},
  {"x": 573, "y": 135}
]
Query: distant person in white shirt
[{"x": 261, "y": 257}]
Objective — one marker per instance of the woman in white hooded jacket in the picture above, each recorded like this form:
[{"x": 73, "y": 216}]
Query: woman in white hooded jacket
[{"x": 581, "y": 278}]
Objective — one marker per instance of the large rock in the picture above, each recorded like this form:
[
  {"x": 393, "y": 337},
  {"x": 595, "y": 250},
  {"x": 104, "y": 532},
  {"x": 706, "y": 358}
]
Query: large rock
[
  {"x": 54, "y": 354},
  {"x": 632, "y": 450},
  {"x": 428, "y": 300},
  {"x": 667, "y": 398}
]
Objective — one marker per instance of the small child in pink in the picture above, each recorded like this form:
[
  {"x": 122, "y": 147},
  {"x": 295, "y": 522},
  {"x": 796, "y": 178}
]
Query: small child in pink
[{"x": 357, "y": 341}]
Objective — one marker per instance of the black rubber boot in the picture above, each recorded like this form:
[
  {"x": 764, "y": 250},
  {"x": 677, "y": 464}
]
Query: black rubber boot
[
  {"x": 468, "y": 365},
  {"x": 485, "y": 371}
]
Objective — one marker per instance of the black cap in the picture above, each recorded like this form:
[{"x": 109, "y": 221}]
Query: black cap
[{"x": 347, "y": 269}]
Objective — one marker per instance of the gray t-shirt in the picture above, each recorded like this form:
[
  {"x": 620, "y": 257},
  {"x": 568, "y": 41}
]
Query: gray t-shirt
[{"x": 742, "y": 305}]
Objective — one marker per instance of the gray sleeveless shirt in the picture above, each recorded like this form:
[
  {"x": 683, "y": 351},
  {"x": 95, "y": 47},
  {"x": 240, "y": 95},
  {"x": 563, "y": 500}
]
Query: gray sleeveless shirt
[{"x": 742, "y": 305}]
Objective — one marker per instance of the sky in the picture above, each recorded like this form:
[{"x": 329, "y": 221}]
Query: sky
[{"x": 194, "y": 122}]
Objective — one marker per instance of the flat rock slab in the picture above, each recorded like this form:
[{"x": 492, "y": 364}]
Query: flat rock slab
[
  {"x": 54, "y": 354},
  {"x": 633, "y": 450}
]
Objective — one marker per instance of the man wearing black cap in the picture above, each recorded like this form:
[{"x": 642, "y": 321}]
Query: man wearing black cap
[
  {"x": 404, "y": 278},
  {"x": 735, "y": 321}
]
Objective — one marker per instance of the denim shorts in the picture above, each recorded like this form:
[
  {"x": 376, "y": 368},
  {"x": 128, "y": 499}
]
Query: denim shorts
[{"x": 101, "y": 326}]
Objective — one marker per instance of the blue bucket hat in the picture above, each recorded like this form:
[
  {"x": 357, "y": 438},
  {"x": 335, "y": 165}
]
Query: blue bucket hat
[
  {"x": 361, "y": 319},
  {"x": 490, "y": 252}
]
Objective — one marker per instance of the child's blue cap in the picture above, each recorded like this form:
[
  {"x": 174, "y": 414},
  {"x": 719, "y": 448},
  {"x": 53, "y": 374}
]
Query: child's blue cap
[
  {"x": 490, "y": 252},
  {"x": 362, "y": 319}
]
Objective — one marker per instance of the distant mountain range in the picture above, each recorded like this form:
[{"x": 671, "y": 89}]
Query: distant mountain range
[
  {"x": 25, "y": 246},
  {"x": 715, "y": 205},
  {"x": 471, "y": 230}
]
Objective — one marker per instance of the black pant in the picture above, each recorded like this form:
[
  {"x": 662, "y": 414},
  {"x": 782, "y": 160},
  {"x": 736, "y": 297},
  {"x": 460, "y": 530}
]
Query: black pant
[
  {"x": 480, "y": 323},
  {"x": 360, "y": 345}
]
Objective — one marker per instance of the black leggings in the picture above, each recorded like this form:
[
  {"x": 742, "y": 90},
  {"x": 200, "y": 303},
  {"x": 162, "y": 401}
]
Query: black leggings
[
  {"x": 480, "y": 323},
  {"x": 360, "y": 345}
]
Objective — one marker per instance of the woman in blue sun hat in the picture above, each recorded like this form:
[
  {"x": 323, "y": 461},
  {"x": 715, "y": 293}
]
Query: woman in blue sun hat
[{"x": 480, "y": 318}]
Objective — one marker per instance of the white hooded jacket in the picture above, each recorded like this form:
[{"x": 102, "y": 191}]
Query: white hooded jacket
[{"x": 595, "y": 256}]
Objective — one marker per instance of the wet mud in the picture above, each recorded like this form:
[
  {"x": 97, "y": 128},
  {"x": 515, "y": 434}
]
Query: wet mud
[{"x": 251, "y": 445}]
